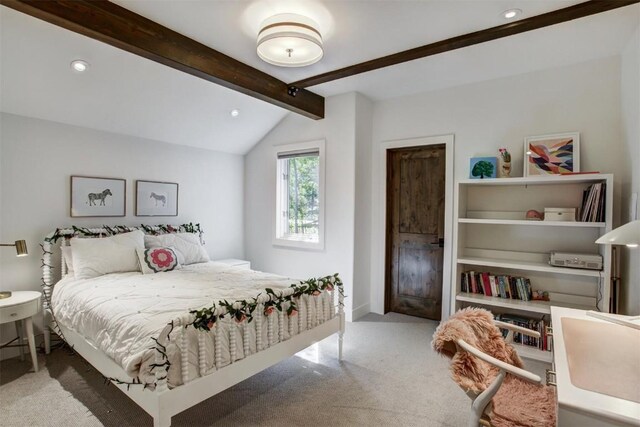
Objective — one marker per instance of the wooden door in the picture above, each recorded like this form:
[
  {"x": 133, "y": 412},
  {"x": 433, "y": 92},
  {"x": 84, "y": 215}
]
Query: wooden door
[{"x": 415, "y": 230}]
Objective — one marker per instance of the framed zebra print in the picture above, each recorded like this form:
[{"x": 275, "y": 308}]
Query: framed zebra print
[
  {"x": 96, "y": 196},
  {"x": 155, "y": 198}
]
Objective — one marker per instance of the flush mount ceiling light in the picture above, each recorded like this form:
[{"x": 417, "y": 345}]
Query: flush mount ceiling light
[
  {"x": 79, "y": 65},
  {"x": 235, "y": 112},
  {"x": 290, "y": 40},
  {"x": 511, "y": 13}
]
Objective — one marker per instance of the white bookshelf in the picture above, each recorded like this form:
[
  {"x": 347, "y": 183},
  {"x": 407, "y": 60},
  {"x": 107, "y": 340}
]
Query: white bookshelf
[
  {"x": 543, "y": 307},
  {"x": 491, "y": 234},
  {"x": 532, "y": 223},
  {"x": 540, "y": 266}
]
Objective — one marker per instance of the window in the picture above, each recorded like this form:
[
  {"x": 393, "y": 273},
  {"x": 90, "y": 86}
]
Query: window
[{"x": 299, "y": 211}]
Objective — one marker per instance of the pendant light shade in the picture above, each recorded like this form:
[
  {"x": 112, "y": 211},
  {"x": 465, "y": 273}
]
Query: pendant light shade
[{"x": 290, "y": 40}]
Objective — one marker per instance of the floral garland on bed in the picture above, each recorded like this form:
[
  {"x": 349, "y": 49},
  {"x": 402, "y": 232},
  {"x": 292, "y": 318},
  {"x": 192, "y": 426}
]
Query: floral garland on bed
[{"x": 241, "y": 310}]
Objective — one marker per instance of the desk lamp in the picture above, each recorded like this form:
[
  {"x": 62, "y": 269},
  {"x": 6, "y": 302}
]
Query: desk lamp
[{"x": 629, "y": 235}]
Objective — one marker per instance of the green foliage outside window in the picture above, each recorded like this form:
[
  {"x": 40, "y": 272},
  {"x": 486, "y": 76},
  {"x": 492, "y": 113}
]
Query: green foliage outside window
[{"x": 303, "y": 187}]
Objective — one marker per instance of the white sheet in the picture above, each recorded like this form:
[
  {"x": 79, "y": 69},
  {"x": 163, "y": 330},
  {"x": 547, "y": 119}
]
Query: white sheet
[{"x": 120, "y": 312}]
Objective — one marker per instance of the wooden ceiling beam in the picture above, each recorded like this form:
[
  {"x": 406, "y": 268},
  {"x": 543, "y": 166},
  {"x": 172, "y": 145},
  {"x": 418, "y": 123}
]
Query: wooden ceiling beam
[
  {"x": 517, "y": 27},
  {"x": 112, "y": 24}
]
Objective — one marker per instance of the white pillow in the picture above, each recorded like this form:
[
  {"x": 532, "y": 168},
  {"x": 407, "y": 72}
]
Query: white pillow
[
  {"x": 68, "y": 259},
  {"x": 115, "y": 254},
  {"x": 187, "y": 246}
]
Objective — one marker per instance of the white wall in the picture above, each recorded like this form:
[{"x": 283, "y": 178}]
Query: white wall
[
  {"x": 338, "y": 129},
  {"x": 363, "y": 199},
  {"x": 37, "y": 157},
  {"x": 500, "y": 113},
  {"x": 630, "y": 93}
]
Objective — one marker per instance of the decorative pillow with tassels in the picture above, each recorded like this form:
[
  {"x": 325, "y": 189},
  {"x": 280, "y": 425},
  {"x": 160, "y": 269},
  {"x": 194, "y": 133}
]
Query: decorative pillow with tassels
[{"x": 157, "y": 260}]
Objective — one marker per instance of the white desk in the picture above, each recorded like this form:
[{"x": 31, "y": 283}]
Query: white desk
[
  {"x": 580, "y": 407},
  {"x": 22, "y": 305}
]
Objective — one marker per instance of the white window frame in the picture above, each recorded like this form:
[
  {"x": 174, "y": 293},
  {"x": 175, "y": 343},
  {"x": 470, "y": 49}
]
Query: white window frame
[{"x": 278, "y": 239}]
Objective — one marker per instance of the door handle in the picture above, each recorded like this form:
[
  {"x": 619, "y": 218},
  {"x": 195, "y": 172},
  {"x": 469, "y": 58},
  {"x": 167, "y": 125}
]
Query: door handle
[{"x": 441, "y": 242}]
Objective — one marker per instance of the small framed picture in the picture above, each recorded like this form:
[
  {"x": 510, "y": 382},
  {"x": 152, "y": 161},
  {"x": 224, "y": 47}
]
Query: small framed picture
[
  {"x": 483, "y": 167},
  {"x": 552, "y": 154},
  {"x": 154, "y": 198},
  {"x": 94, "y": 196}
]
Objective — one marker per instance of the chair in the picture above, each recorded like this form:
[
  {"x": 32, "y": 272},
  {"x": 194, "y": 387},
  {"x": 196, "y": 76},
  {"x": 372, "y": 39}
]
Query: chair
[{"x": 486, "y": 366}]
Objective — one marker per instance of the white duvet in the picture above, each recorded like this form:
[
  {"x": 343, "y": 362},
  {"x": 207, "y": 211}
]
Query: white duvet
[{"x": 120, "y": 312}]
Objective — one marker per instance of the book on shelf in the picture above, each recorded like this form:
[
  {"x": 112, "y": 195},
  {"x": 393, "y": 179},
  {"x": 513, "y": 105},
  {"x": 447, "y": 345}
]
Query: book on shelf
[
  {"x": 593, "y": 203},
  {"x": 474, "y": 283},
  {"x": 501, "y": 286},
  {"x": 535, "y": 324},
  {"x": 486, "y": 284},
  {"x": 492, "y": 284}
]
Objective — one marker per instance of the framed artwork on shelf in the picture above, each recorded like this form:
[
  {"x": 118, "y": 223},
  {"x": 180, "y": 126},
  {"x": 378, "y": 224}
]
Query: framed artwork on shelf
[
  {"x": 95, "y": 196},
  {"x": 483, "y": 167},
  {"x": 155, "y": 198},
  {"x": 552, "y": 154}
]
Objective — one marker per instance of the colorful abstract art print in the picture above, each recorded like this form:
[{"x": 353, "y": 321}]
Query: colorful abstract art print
[
  {"x": 552, "y": 154},
  {"x": 483, "y": 167}
]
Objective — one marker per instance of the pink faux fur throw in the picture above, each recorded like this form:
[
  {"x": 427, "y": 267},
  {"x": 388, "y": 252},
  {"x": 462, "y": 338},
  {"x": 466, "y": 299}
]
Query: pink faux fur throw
[
  {"x": 521, "y": 403},
  {"x": 475, "y": 326},
  {"x": 517, "y": 402}
]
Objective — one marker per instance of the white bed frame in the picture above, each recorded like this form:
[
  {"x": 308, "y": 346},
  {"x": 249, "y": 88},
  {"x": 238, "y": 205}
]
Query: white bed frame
[{"x": 161, "y": 402}]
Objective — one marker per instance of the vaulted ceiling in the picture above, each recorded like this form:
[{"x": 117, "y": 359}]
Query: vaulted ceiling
[{"x": 128, "y": 94}]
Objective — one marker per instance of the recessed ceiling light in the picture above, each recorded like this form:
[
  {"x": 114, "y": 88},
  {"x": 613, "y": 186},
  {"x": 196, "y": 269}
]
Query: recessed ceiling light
[
  {"x": 79, "y": 65},
  {"x": 511, "y": 13},
  {"x": 235, "y": 112}
]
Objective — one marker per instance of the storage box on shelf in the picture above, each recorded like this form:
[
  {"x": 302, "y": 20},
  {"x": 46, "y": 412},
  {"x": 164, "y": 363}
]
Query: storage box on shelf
[{"x": 491, "y": 234}]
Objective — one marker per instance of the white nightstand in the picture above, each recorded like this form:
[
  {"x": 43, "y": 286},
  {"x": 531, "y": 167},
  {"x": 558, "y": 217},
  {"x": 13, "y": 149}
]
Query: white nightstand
[
  {"x": 236, "y": 263},
  {"x": 22, "y": 305}
]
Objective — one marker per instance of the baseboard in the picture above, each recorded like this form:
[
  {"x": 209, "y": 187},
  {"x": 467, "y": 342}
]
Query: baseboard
[{"x": 357, "y": 313}]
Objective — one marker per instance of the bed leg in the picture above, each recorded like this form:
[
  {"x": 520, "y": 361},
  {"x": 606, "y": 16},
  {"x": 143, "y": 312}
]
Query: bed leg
[
  {"x": 341, "y": 332},
  {"x": 162, "y": 420},
  {"x": 47, "y": 339},
  {"x": 47, "y": 331}
]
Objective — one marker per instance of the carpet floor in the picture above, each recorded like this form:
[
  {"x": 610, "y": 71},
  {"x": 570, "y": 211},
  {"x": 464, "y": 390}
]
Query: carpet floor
[{"x": 389, "y": 376}]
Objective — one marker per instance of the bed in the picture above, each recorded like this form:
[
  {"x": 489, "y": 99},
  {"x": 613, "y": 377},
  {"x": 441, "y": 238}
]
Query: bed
[{"x": 172, "y": 340}]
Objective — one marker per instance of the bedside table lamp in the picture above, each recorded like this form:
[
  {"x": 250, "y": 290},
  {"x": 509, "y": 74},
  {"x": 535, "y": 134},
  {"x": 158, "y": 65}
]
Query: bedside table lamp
[
  {"x": 21, "y": 250},
  {"x": 629, "y": 235}
]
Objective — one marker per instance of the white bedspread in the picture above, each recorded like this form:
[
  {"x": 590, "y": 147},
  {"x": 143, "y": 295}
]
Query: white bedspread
[{"x": 119, "y": 313}]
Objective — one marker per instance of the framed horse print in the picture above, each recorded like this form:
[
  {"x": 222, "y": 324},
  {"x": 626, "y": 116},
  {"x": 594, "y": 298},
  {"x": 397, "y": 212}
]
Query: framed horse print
[
  {"x": 154, "y": 198},
  {"x": 94, "y": 196}
]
